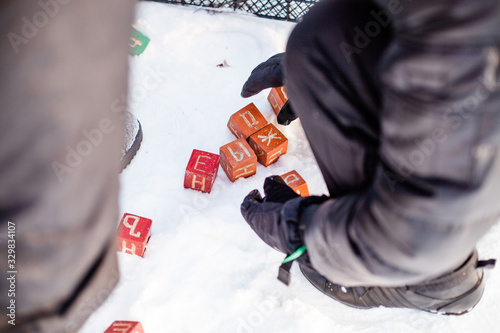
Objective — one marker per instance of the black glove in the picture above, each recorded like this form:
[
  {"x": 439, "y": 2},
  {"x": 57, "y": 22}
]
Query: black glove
[
  {"x": 264, "y": 214},
  {"x": 286, "y": 114},
  {"x": 269, "y": 74},
  {"x": 276, "y": 220},
  {"x": 276, "y": 190}
]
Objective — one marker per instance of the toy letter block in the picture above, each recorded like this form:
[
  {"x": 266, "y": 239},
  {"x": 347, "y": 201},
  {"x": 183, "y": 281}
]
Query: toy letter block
[
  {"x": 201, "y": 171},
  {"x": 138, "y": 42},
  {"x": 133, "y": 234},
  {"x": 246, "y": 122},
  {"x": 125, "y": 327},
  {"x": 238, "y": 159},
  {"x": 269, "y": 144},
  {"x": 277, "y": 97},
  {"x": 296, "y": 183}
]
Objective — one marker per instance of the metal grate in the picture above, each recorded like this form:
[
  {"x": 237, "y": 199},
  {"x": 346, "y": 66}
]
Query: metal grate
[{"x": 289, "y": 10}]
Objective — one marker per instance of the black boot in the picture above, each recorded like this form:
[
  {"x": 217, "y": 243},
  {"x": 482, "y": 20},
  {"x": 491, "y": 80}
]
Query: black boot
[{"x": 453, "y": 293}]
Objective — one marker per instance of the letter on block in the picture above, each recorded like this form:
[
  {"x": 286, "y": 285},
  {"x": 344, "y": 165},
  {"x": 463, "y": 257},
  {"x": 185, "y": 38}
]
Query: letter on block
[
  {"x": 238, "y": 160},
  {"x": 269, "y": 144},
  {"x": 277, "y": 97},
  {"x": 246, "y": 121},
  {"x": 133, "y": 234},
  {"x": 125, "y": 327},
  {"x": 296, "y": 183},
  {"x": 201, "y": 171}
]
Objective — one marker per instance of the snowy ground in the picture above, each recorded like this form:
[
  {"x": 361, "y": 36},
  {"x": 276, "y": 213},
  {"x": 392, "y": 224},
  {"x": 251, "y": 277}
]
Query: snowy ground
[{"x": 204, "y": 269}]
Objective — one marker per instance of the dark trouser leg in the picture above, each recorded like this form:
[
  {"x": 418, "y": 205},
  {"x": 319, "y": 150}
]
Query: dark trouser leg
[
  {"x": 332, "y": 83},
  {"x": 64, "y": 67}
]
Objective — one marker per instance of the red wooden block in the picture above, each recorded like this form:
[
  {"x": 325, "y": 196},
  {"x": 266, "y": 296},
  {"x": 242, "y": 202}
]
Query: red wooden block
[
  {"x": 246, "y": 121},
  {"x": 238, "y": 160},
  {"x": 201, "y": 171},
  {"x": 296, "y": 182},
  {"x": 133, "y": 234},
  {"x": 269, "y": 144},
  {"x": 277, "y": 97},
  {"x": 125, "y": 327}
]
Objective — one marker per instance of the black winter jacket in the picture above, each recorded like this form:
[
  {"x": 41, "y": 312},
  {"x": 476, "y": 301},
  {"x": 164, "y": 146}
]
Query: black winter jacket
[{"x": 432, "y": 180}]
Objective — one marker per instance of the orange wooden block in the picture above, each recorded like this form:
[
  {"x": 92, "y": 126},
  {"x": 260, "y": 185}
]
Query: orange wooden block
[
  {"x": 296, "y": 182},
  {"x": 277, "y": 97},
  {"x": 246, "y": 121},
  {"x": 238, "y": 160},
  {"x": 269, "y": 144},
  {"x": 133, "y": 234},
  {"x": 125, "y": 327}
]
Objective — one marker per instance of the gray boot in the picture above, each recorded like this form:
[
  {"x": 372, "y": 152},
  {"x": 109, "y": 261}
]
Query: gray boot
[
  {"x": 453, "y": 293},
  {"x": 132, "y": 140}
]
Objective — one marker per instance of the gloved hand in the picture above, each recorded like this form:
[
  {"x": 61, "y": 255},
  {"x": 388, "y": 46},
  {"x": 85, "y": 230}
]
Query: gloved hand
[
  {"x": 276, "y": 190},
  {"x": 269, "y": 74},
  {"x": 277, "y": 219},
  {"x": 264, "y": 214}
]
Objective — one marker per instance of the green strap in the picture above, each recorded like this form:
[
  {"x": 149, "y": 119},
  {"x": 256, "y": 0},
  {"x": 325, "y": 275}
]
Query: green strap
[{"x": 300, "y": 251}]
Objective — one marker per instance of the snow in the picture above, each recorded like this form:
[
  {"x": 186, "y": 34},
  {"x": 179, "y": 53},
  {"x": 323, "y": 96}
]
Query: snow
[{"x": 204, "y": 269}]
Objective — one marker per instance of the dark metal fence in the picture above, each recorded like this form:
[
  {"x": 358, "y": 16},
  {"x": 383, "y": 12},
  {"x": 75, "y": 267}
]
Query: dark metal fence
[{"x": 289, "y": 10}]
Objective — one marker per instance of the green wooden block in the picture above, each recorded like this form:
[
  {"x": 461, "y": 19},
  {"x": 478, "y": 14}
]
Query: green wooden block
[{"x": 138, "y": 42}]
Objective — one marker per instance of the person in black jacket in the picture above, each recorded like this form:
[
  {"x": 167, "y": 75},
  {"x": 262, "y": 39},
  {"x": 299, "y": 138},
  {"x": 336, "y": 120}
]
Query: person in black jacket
[{"x": 400, "y": 102}]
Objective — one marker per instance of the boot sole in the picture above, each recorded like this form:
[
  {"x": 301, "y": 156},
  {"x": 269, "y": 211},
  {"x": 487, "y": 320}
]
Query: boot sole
[{"x": 129, "y": 156}]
